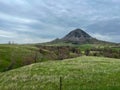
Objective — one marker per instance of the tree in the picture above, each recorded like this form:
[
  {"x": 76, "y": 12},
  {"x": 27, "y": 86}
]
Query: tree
[
  {"x": 87, "y": 52},
  {"x": 36, "y": 56},
  {"x": 9, "y": 42}
]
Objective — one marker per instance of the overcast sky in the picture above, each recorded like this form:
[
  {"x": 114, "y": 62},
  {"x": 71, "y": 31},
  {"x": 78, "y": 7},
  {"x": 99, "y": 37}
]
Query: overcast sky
[{"x": 31, "y": 21}]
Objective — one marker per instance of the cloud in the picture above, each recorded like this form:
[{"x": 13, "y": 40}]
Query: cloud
[
  {"x": 33, "y": 40},
  {"x": 7, "y": 34},
  {"x": 16, "y": 19},
  {"x": 44, "y": 20},
  {"x": 114, "y": 38},
  {"x": 102, "y": 37}
]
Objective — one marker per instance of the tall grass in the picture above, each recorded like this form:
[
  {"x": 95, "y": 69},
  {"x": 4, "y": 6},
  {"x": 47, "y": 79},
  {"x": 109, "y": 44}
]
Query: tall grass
[{"x": 83, "y": 73}]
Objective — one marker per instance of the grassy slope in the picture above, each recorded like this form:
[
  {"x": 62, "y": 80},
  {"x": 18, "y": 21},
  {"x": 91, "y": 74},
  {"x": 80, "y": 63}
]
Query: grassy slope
[
  {"x": 82, "y": 73},
  {"x": 14, "y": 52}
]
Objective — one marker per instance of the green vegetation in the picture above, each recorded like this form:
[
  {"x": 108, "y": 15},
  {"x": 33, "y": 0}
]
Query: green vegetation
[
  {"x": 82, "y": 73},
  {"x": 104, "y": 50},
  {"x": 13, "y": 56}
]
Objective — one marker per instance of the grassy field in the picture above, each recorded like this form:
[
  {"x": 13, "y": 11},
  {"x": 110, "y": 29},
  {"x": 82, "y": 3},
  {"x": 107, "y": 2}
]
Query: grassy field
[{"x": 82, "y": 73}]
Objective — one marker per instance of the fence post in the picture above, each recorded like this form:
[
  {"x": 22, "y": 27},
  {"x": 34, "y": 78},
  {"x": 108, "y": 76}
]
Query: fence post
[{"x": 60, "y": 83}]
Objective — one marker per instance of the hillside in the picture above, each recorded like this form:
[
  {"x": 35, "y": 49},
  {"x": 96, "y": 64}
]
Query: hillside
[
  {"x": 82, "y": 73},
  {"x": 14, "y": 56},
  {"x": 77, "y": 37}
]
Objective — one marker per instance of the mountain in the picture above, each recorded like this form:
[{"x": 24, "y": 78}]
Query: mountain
[{"x": 78, "y": 36}]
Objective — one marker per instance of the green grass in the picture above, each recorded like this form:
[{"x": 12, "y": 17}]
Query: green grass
[
  {"x": 86, "y": 46},
  {"x": 9, "y": 53},
  {"x": 82, "y": 73}
]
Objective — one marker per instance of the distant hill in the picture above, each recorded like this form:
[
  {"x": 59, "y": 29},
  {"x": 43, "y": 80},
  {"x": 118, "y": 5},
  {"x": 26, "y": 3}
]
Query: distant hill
[{"x": 78, "y": 36}]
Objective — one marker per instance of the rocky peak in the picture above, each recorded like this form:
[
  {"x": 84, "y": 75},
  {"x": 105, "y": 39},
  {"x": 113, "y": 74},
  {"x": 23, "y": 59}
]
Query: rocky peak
[{"x": 77, "y": 35}]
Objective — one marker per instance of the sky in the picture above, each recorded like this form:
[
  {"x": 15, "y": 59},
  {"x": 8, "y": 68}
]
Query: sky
[{"x": 36, "y": 21}]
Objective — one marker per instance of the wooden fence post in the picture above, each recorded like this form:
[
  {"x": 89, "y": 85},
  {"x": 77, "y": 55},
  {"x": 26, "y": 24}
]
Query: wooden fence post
[{"x": 60, "y": 83}]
